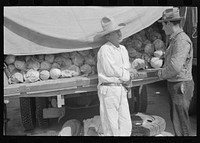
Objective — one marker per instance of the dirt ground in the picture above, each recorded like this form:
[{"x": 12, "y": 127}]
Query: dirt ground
[{"x": 157, "y": 105}]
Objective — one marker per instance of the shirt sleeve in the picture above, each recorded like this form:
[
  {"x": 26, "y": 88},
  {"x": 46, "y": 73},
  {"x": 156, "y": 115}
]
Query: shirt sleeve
[
  {"x": 179, "y": 55},
  {"x": 110, "y": 67}
]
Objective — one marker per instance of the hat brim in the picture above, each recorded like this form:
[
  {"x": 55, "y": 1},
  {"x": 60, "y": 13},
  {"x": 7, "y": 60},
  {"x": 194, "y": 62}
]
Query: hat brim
[
  {"x": 120, "y": 26},
  {"x": 174, "y": 19}
]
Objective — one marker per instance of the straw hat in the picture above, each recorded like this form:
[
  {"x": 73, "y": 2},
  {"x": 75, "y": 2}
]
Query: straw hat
[
  {"x": 171, "y": 14},
  {"x": 109, "y": 25}
]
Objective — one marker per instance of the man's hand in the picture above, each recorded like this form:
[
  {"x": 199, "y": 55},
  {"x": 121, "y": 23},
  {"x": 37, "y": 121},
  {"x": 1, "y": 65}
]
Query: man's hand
[{"x": 127, "y": 85}]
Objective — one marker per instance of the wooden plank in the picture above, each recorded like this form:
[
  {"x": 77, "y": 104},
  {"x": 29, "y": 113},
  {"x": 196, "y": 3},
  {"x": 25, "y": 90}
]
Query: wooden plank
[
  {"x": 67, "y": 92},
  {"x": 51, "y": 85},
  {"x": 138, "y": 82},
  {"x": 66, "y": 87}
]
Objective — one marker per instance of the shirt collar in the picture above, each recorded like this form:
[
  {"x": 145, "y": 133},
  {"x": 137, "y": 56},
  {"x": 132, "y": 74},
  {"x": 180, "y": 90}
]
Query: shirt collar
[
  {"x": 111, "y": 44},
  {"x": 173, "y": 36}
]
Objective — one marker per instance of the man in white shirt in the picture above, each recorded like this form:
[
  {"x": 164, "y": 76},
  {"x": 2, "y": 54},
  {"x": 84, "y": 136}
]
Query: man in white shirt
[{"x": 113, "y": 71}]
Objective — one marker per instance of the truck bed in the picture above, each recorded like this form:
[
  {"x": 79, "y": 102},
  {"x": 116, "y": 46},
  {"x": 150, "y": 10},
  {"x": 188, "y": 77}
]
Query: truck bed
[{"x": 63, "y": 86}]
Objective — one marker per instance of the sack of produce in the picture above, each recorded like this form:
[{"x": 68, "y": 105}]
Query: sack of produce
[
  {"x": 44, "y": 74},
  {"x": 55, "y": 73},
  {"x": 156, "y": 62},
  {"x": 32, "y": 76}
]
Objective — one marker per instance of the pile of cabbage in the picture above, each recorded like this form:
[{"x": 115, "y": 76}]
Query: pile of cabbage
[
  {"x": 146, "y": 48},
  {"x": 32, "y": 68}
]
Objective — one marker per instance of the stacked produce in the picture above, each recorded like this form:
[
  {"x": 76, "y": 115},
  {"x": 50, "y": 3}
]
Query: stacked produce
[
  {"x": 145, "y": 48},
  {"x": 32, "y": 68}
]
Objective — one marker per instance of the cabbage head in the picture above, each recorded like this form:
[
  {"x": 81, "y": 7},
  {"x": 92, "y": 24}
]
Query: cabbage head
[
  {"x": 90, "y": 60},
  {"x": 66, "y": 73},
  {"x": 77, "y": 59},
  {"x": 138, "y": 64},
  {"x": 49, "y": 58},
  {"x": 65, "y": 55},
  {"x": 75, "y": 70},
  {"x": 32, "y": 76},
  {"x": 21, "y": 65},
  {"x": 149, "y": 49},
  {"x": 44, "y": 74},
  {"x": 55, "y": 73},
  {"x": 156, "y": 62},
  {"x": 45, "y": 65},
  {"x": 10, "y": 59},
  {"x": 84, "y": 53},
  {"x": 159, "y": 44},
  {"x": 55, "y": 65},
  {"x": 32, "y": 64},
  {"x": 17, "y": 78},
  {"x": 86, "y": 69}
]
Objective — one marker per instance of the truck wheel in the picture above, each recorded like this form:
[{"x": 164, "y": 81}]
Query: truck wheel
[
  {"x": 27, "y": 107},
  {"x": 41, "y": 103},
  {"x": 152, "y": 126},
  {"x": 140, "y": 93}
]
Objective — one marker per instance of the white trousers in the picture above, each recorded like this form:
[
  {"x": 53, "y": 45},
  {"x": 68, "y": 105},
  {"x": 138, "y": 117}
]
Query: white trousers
[{"x": 114, "y": 111}]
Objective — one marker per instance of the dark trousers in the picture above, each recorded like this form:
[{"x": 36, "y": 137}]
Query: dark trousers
[{"x": 179, "y": 99}]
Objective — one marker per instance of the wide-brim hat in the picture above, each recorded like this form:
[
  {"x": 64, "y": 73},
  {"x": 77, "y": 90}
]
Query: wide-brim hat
[
  {"x": 171, "y": 14},
  {"x": 109, "y": 25}
]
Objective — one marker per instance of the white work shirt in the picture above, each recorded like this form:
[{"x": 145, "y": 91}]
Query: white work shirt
[{"x": 113, "y": 64}]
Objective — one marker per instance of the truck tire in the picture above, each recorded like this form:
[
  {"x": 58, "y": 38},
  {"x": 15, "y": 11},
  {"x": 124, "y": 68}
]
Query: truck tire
[
  {"x": 152, "y": 126},
  {"x": 41, "y": 103},
  {"x": 27, "y": 107},
  {"x": 140, "y": 93}
]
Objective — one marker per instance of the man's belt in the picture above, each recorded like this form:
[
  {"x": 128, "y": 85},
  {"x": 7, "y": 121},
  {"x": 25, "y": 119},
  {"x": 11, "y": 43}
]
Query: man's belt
[{"x": 111, "y": 84}]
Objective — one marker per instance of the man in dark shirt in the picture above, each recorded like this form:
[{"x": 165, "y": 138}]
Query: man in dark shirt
[{"x": 177, "y": 70}]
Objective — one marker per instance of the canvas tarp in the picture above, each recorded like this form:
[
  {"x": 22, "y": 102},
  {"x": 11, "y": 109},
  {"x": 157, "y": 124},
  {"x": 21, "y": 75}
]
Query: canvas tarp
[{"x": 46, "y": 30}]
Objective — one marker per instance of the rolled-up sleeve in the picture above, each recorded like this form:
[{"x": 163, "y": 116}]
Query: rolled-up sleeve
[
  {"x": 110, "y": 67},
  {"x": 179, "y": 55}
]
